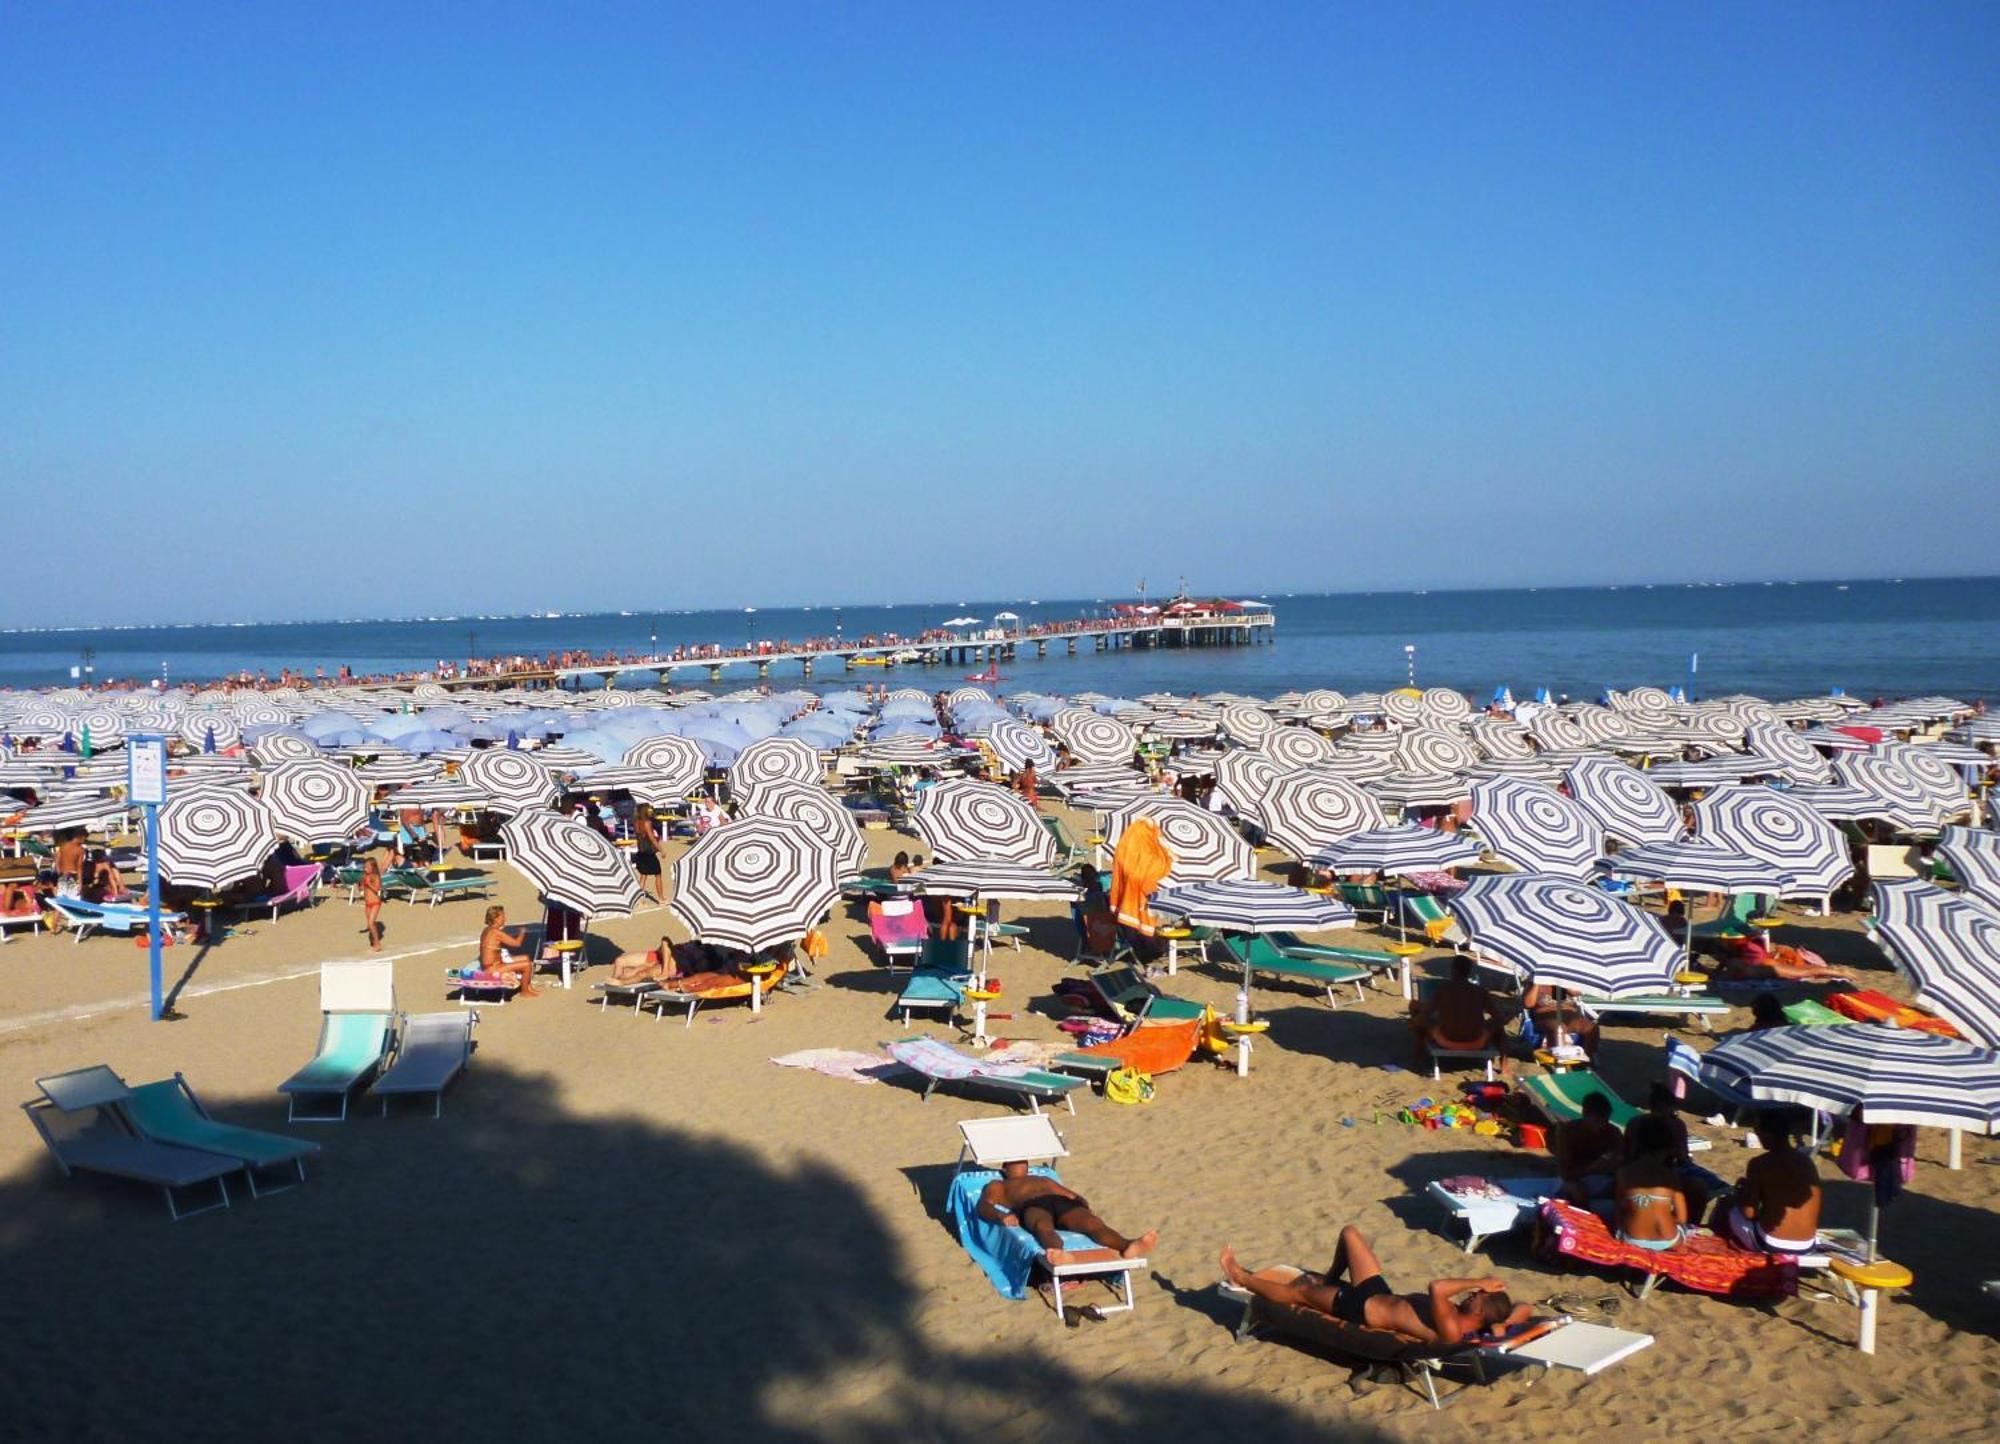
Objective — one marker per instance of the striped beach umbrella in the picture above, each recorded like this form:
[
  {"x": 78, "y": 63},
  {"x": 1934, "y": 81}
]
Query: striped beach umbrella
[
  {"x": 1600, "y": 724},
  {"x": 1446, "y": 704},
  {"x": 1932, "y": 768},
  {"x": 1557, "y": 931},
  {"x": 1792, "y": 757},
  {"x": 275, "y": 747},
  {"x": 821, "y": 814},
  {"x": 1180, "y": 728},
  {"x": 1405, "y": 790},
  {"x": 676, "y": 761},
  {"x": 210, "y": 731},
  {"x": 1973, "y": 855},
  {"x": 1536, "y": 828},
  {"x": 1294, "y": 747},
  {"x": 642, "y": 783},
  {"x": 1429, "y": 751},
  {"x": 556, "y": 758},
  {"x": 1698, "y": 866},
  {"x": 1308, "y": 811},
  {"x": 398, "y": 769},
  {"x": 255, "y": 712},
  {"x": 1949, "y": 949},
  {"x": 755, "y": 883},
  {"x": 903, "y": 751},
  {"x": 1243, "y": 776},
  {"x": 1709, "y": 772},
  {"x": 1247, "y": 906},
  {"x": 512, "y": 781},
  {"x": 1901, "y": 799},
  {"x": 1623, "y": 801},
  {"x": 1778, "y": 828},
  {"x": 438, "y": 794},
  {"x": 74, "y": 810},
  {"x": 571, "y": 863},
  {"x": 1204, "y": 846},
  {"x": 106, "y": 725},
  {"x": 1500, "y": 740},
  {"x": 1356, "y": 763},
  {"x": 212, "y": 837},
  {"x": 1018, "y": 745},
  {"x": 961, "y": 818},
  {"x": 1648, "y": 699},
  {"x": 1091, "y": 737},
  {"x": 1404, "y": 706},
  {"x": 774, "y": 759},
  {"x": 1550, "y": 728},
  {"x": 990, "y": 878},
  {"x": 1892, "y": 1075},
  {"x": 1398, "y": 850},
  {"x": 315, "y": 800},
  {"x": 1246, "y": 724}
]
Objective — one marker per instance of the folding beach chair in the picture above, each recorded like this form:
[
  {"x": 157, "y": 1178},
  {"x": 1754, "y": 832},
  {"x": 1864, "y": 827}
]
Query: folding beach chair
[
  {"x": 899, "y": 928},
  {"x": 939, "y": 1064},
  {"x": 168, "y": 1112},
  {"x": 78, "y": 1117},
  {"x": 432, "y": 1049},
  {"x": 1260, "y": 957}
]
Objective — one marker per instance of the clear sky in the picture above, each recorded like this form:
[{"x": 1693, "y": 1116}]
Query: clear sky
[{"x": 323, "y": 309}]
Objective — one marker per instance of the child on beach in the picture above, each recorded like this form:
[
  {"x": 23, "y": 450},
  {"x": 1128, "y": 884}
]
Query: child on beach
[{"x": 371, "y": 902}]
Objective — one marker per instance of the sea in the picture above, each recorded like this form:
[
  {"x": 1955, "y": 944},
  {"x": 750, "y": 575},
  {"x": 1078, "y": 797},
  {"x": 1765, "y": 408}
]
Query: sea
[{"x": 1881, "y": 638}]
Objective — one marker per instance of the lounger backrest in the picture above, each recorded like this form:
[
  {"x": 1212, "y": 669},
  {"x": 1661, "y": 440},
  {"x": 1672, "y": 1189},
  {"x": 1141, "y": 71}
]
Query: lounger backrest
[
  {"x": 298, "y": 879},
  {"x": 362, "y": 987},
  {"x": 897, "y": 922},
  {"x": 83, "y": 1088},
  {"x": 1022, "y": 1138},
  {"x": 162, "y": 1109}
]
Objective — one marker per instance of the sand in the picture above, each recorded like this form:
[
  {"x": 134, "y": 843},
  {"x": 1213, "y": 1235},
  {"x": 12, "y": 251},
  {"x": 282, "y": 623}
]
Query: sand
[{"x": 622, "y": 1226}]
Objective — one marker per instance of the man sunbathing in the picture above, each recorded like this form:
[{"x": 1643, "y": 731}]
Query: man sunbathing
[
  {"x": 1045, "y": 1207},
  {"x": 1448, "y": 1312},
  {"x": 1750, "y": 961},
  {"x": 649, "y": 965},
  {"x": 1459, "y": 1016},
  {"x": 497, "y": 955}
]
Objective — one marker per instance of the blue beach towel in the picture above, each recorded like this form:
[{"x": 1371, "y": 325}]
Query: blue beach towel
[{"x": 1008, "y": 1255}]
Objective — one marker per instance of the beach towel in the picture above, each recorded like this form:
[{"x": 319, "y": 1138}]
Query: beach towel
[
  {"x": 1007, "y": 1255},
  {"x": 1702, "y": 1262},
  {"x": 935, "y": 1058},
  {"x": 841, "y": 1063},
  {"x": 1139, "y": 866},
  {"x": 1865, "y": 1005},
  {"x": 1153, "y": 1047}
]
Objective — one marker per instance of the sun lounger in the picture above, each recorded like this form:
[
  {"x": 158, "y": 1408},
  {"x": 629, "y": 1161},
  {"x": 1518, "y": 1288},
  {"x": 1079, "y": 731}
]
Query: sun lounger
[
  {"x": 436, "y": 887},
  {"x": 1366, "y": 898},
  {"x": 31, "y": 920},
  {"x": 1560, "y": 1096},
  {"x": 1068, "y": 853},
  {"x": 1429, "y": 914},
  {"x": 357, "y": 1007},
  {"x": 431, "y": 1050},
  {"x": 125, "y": 919},
  {"x": 1699, "y": 1007},
  {"x": 667, "y": 996},
  {"x": 168, "y": 1112},
  {"x": 1500, "y": 1206},
  {"x": 1702, "y": 1262},
  {"x": 1009, "y": 1256},
  {"x": 938, "y": 1063},
  {"x": 1735, "y": 919},
  {"x": 900, "y": 930},
  {"x": 1125, "y": 996},
  {"x": 619, "y": 994},
  {"x": 300, "y": 885},
  {"x": 1551, "y": 1343},
  {"x": 79, "y": 1120},
  {"x": 1262, "y": 957}
]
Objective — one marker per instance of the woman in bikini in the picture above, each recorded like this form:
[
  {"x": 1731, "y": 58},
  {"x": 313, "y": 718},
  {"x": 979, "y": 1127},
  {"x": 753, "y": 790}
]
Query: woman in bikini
[
  {"x": 371, "y": 902},
  {"x": 1652, "y": 1209}
]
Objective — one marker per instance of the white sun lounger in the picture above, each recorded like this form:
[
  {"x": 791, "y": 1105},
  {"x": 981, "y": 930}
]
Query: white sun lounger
[
  {"x": 78, "y": 1118},
  {"x": 431, "y": 1050}
]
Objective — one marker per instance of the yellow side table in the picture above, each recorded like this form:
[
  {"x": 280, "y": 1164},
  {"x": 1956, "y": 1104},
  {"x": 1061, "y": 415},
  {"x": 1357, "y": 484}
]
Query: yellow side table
[
  {"x": 1873, "y": 1280},
  {"x": 566, "y": 953},
  {"x": 1174, "y": 937},
  {"x": 1241, "y": 1034},
  {"x": 757, "y": 973},
  {"x": 1403, "y": 953}
]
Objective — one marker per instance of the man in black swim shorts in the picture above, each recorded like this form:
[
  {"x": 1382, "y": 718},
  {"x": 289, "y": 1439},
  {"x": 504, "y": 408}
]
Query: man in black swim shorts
[{"x": 1048, "y": 1209}]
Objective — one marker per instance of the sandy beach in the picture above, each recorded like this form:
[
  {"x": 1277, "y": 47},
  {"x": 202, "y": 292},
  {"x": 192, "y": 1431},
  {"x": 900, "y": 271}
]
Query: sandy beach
[{"x": 622, "y": 1224}]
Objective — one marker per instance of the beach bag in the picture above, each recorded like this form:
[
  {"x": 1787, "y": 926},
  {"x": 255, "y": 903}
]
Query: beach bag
[{"x": 1128, "y": 1085}]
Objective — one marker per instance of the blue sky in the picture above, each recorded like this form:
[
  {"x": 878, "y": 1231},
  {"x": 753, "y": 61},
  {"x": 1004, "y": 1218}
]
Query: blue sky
[{"x": 310, "y": 310}]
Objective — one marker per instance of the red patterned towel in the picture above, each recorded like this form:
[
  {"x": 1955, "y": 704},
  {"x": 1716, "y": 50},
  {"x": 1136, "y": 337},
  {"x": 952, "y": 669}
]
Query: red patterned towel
[{"x": 1703, "y": 1262}]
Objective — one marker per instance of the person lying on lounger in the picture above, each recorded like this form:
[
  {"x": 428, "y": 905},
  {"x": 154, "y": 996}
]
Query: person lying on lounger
[
  {"x": 1775, "y": 1208},
  {"x": 1447, "y": 1312},
  {"x": 1459, "y": 1016},
  {"x": 650, "y": 965},
  {"x": 1045, "y": 1207},
  {"x": 1749, "y": 960}
]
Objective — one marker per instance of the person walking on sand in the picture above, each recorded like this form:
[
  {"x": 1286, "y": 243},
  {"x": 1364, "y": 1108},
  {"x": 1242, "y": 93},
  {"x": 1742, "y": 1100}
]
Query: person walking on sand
[{"x": 371, "y": 902}]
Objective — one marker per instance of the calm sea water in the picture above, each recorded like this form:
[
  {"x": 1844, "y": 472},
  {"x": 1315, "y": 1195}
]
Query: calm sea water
[{"x": 1782, "y": 640}]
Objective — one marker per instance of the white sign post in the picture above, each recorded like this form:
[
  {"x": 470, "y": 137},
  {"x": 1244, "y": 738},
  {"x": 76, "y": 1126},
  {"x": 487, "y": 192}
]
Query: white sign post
[{"x": 146, "y": 786}]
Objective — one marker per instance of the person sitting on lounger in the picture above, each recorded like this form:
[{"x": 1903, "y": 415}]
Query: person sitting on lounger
[
  {"x": 1045, "y": 1207},
  {"x": 1589, "y": 1151},
  {"x": 1775, "y": 1209},
  {"x": 1555, "y": 1014},
  {"x": 497, "y": 951},
  {"x": 1447, "y": 1312},
  {"x": 1459, "y": 1016},
  {"x": 1652, "y": 1208},
  {"x": 1662, "y": 1109}
]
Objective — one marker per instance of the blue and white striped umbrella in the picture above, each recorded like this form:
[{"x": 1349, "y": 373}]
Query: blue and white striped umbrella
[
  {"x": 1948, "y": 947},
  {"x": 1557, "y": 931},
  {"x": 1536, "y": 828},
  {"x": 1404, "y": 848},
  {"x": 1973, "y": 855},
  {"x": 1205, "y": 847},
  {"x": 1901, "y": 798},
  {"x": 1710, "y": 772},
  {"x": 1793, "y": 758},
  {"x": 1307, "y": 811},
  {"x": 1780, "y": 829},
  {"x": 1294, "y": 747},
  {"x": 986, "y": 878},
  {"x": 1018, "y": 745},
  {"x": 1246, "y": 906},
  {"x": 962, "y": 819},
  {"x": 1893, "y": 1075},
  {"x": 571, "y": 863},
  {"x": 1624, "y": 802},
  {"x": 774, "y": 759},
  {"x": 1698, "y": 867},
  {"x": 1243, "y": 776}
]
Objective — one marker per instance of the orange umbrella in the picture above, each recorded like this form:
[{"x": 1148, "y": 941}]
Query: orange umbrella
[{"x": 1140, "y": 865}]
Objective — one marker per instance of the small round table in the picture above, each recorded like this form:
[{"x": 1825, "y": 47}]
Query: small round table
[
  {"x": 1174, "y": 937},
  {"x": 980, "y": 998},
  {"x": 1766, "y": 926},
  {"x": 1402, "y": 953},
  {"x": 1873, "y": 1279},
  {"x": 566, "y": 952},
  {"x": 1241, "y": 1034},
  {"x": 208, "y": 905},
  {"x": 1547, "y": 1058},
  {"x": 756, "y": 973}
]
